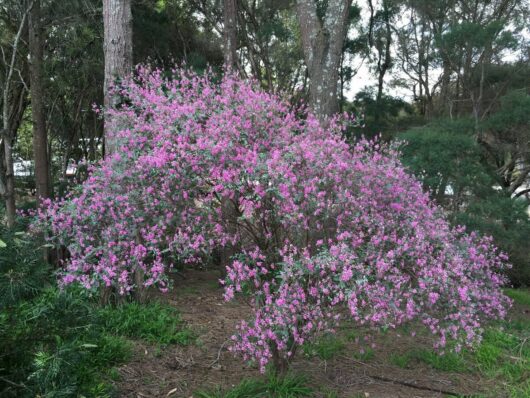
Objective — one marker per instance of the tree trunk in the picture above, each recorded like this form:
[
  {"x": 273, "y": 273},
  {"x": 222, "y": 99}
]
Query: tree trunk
[
  {"x": 117, "y": 46},
  {"x": 322, "y": 43},
  {"x": 40, "y": 139},
  {"x": 13, "y": 111},
  {"x": 140, "y": 292},
  {"x": 230, "y": 33},
  {"x": 445, "y": 96},
  {"x": 281, "y": 365},
  {"x": 230, "y": 63},
  {"x": 385, "y": 61},
  {"x": 10, "y": 182},
  {"x": 12, "y": 106}
]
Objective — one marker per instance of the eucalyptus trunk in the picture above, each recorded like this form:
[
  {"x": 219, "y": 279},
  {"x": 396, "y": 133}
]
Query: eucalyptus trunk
[
  {"x": 230, "y": 33},
  {"x": 118, "y": 51},
  {"x": 322, "y": 42},
  {"x": 13, "y": 103},
  {"x": 40, "y": 139}
]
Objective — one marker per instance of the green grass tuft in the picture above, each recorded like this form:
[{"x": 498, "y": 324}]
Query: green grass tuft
[
  {"x": 269, "y": 387},
  {"x": 154, "y": 322},
  {"x": 401, "y": 361},
  {"x": 325, "y": 348},
  {"x": 449, "y": 362},
  {"x": 364, "y": 355},
  {"x": 519, "y": 296}
]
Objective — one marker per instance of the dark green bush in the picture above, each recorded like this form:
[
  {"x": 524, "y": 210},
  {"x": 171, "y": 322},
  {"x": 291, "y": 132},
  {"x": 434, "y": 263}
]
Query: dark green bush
[
  {"x": 55, "y": 346},
  {"x": 446, "y": 157},
  {"x": 23, "y": 272}
]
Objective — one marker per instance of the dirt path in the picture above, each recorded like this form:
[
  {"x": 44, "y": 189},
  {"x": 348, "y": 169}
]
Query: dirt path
[{"x": 180, "y": 371}]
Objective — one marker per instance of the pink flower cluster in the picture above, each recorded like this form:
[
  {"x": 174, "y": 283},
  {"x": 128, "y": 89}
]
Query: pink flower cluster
[{"x": 319, "y": 228}]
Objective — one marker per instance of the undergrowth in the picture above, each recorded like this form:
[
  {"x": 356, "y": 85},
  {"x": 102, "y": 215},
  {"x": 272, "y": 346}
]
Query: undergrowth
[
  {"x": 60, "y": 343},
  {"x": 291, "y": 386},
  {"x": 503, "y": 357},
  {"x": 152, "y": 322}
]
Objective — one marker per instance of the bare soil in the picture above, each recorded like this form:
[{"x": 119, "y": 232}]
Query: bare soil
[{"x": 180, "y": 371}]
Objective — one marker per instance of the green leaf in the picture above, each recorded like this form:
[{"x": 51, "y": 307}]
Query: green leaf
[{"x": 2, "y": 244}]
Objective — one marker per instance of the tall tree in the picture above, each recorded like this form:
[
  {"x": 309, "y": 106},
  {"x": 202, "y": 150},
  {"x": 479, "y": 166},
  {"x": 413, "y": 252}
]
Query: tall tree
[
  {"x": 230, "y": 63},
  {"x": 117, "y": 45},
  {"x": 230, "y": 33},
  {"x": 40, "y": 138},
  {"x": 13, "y": 104},
  {"x": 323, "y": 31},
  {"x": 380, "y": 36}
]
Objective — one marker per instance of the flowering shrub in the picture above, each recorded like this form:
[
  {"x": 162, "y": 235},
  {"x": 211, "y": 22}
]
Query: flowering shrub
[{"x": 317, "y": 226}]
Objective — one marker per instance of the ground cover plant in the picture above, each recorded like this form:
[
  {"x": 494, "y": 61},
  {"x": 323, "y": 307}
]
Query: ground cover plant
[{"x": 317, "y": 226}]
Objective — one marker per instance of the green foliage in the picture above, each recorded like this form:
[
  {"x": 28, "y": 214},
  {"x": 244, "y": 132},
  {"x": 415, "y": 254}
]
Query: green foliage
[
  {"x": 174, "y": 24},
  {"x": 59, "y": 343},
  {"x": 519, "y": 296},
  {"x": 401, "y": 361},
  {"x": 390, "y": 115},
  {"x": 444, "y": 153},
  {"x": 325, "y": 348},
  {"x": 477, "y": 36},
  {"x": 449, "y": 362},
  {"x": 514, "y": 111},
  {"x": 22, "y": 273},
  {"x": 54, "y": 346},
  {"x": 364, "y": 355},
  {"x": 152, "y": 322},
  {"x": 449, "y": 161},
  {"x": 503, "y": 356},
  {"x": 329, "y": 393},
  {"x": 270, "y": 387},
  {"x": 76, "y": 367},
  {"x": 507, "y": 221}
]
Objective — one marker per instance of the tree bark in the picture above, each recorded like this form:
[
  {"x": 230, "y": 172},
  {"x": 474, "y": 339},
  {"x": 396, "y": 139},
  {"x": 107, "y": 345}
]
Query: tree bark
[
  {"x": 12, "y": 105},
  {"x": 230, "y": 33},
  {"x": 230, "y": 63},
  {"x": 322, "y": 42},
  {"x": 281, "y": 365},
  {"x": 10, "y": 183},
  {"x": 40, "y": 139},
  {"x": 117, "y": 46},
  {"x": 385, "y": 60}
]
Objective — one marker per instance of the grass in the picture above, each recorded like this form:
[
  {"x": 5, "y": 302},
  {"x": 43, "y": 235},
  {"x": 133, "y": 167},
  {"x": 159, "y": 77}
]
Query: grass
[
  {"x": 449, "y": 362},
  {"x": 364, "y": 355},
  {"x": 503, "y": 357},
  {"x": 153, "y": 322},
  {"x": 324, "y": 348},
  {"x": 401, "y": 361},
  {"x": 519, "y": 296},
  {"x": 108, "y": 351},
  {"x": 292, "y": 386}
]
